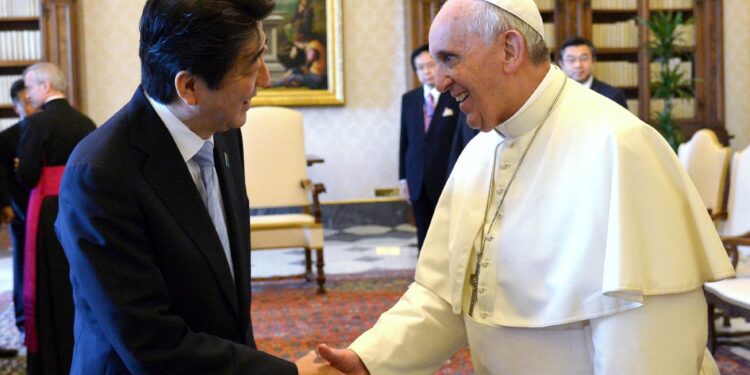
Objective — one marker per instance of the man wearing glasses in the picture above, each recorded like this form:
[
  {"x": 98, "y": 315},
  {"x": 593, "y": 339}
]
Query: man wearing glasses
[{"x": 577, "y": 57}]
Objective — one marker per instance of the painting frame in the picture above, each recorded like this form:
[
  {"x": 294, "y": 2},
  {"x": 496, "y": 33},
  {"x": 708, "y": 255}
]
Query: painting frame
[{"x": 333, "y": 93}]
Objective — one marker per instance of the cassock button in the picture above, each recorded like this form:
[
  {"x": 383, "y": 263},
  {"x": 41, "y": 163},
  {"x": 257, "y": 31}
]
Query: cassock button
[
  {"x": 511, "y": 144},
  {"x": 484, "y": 315},
  {"x": 500, "y": 190},
  {"x": 482, "y": 289},
  {"x": 489, "y": 238},
  {"x": 505, "y": 166},
  {"x": 499, "y": 215},
  {"x": 485, "y": 264}
]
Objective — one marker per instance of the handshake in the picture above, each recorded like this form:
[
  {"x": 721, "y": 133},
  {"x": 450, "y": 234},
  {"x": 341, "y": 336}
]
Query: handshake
[{"x": 331, "y": 361}]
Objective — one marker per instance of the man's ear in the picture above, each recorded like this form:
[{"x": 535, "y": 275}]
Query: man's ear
[
  {"x": 514, "y": 48},
  {"x": 46, "y": 86},
  {"x": 184, "y": 82}
]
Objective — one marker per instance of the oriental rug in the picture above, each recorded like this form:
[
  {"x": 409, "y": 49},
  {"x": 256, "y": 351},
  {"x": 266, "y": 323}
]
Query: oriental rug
[{"x": 289, "y": 319}]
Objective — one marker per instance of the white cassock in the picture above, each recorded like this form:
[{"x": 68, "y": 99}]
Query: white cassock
[{"x": 594, "y": 264}]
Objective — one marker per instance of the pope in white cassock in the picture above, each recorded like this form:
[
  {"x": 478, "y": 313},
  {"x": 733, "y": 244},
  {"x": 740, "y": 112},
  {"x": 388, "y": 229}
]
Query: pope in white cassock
[{"x": 568, "y": 240}]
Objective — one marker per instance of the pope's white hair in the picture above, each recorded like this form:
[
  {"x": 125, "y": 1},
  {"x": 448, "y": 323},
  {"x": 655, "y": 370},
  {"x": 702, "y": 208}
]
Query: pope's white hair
[{"x": 488, "y": 21}]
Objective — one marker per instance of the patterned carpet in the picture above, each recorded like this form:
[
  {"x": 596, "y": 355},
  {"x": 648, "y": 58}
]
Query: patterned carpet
[
  {"x": 352, "y": 304},
  {"x": 289, "y": 319}
]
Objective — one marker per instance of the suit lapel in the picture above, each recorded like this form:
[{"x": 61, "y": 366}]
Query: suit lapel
[
  {"x": 417, "y": 114},
  {"x": 166, "y": 172},
  {"x": 232, "y": 210},
  {"x": 595, "y": 85}
]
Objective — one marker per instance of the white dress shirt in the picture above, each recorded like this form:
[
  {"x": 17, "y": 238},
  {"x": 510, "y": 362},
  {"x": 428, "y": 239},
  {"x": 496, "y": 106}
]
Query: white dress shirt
[{"x": 188, "y": 143}]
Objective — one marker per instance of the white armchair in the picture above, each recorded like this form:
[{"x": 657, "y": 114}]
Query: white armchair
[
  {"x": 706, "y": 161},
  {"x": 276, "y": 177},
  {"x": 732, "y": 296}
]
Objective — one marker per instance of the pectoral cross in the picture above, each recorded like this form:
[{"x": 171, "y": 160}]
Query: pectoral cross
[{"x": 474, "y": 282}]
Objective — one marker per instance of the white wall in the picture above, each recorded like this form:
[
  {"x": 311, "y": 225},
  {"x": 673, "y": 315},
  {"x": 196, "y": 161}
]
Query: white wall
[
  {"x": 359, "y": 141},
  {"x": 737, "y": 71}
]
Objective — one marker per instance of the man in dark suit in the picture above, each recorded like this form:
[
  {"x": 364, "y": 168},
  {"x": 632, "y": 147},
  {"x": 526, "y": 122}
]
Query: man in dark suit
[
  {"x": 47, "y": 139},
  {"x": 160, "y": 277},
  {"x": 463, "y": 135},
  {"x": 576, "y": 58},
  {"x": 428, "y": 123},
  {"x": 14, "y": 197}
]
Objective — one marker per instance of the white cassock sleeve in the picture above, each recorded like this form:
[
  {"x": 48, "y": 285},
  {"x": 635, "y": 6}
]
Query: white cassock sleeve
[{"x": 414, "y": 337}]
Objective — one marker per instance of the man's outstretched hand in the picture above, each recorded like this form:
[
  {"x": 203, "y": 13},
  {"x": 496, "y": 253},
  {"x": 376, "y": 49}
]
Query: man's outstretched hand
[{"x": 344, "y": 360}]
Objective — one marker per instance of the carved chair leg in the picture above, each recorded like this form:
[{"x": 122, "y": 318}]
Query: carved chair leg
[
  {"x": 308, "y": 265},
  {"x": 725, "y": 321},
  {"x": 711, "y": 328},
  {"x": 321, "y": 274}
]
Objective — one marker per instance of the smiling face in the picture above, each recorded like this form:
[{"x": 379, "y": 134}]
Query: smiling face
[
  {"x": 470, "y": 70},
  {"x": 226, "y": 107}
]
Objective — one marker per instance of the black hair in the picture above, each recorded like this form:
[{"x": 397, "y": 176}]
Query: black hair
[
  {"x": 417, "y": 52},
  {"x": 576, "y": 41},
  {"x": 16, "y": 89},
  {"x": 203, "y": 37}
]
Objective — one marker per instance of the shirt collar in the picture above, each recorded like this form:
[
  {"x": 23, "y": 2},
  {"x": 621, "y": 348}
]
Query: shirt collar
[
  {"x": 187, "y": 142},
  {"x": 587, "y": 83},
  {"x": 53, "y": 97},
  {"x": 535, "y": 107},
  {"x": 427, "y": 90}
]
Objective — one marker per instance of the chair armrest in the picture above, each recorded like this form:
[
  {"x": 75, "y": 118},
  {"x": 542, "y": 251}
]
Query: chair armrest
[
  {"x": 736, "y": 241},
  {"x": 721, "y": 215},
  {"x": 315, "y": 190},
  {"x": 730, "y": 245}
]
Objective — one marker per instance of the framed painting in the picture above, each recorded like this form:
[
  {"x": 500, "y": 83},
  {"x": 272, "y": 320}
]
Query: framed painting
[{"x": 305, "y": 56}]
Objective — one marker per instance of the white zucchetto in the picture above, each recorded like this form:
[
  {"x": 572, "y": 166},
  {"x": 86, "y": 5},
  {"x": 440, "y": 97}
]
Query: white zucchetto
[{"x": 526, "y": 10}]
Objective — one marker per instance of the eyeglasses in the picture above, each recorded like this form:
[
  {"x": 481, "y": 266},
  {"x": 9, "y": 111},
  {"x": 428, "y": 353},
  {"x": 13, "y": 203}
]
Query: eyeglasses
[
  {"x": 428, "y": 65},
  {"x": 573, "y": 59}
]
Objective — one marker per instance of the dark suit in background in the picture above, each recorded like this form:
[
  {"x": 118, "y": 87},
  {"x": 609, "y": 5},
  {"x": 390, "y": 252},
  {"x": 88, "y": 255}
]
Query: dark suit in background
[
  {"x": 17, "y": 196},
  {"x": 47, "y": 140},
  {"x": 131, "y": 215},
  {"x": 609, "y": 91},
  {"x": 461, "y": 138},
  {"x": 423, "y": 160}
]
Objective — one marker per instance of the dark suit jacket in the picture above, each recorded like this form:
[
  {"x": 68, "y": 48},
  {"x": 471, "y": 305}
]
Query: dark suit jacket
[
  {"x": 423, "y": 158},
  {"x": 48, "y": 138},
  {"x": 11, "y": 191},
  {"x": 609, "y": 91},
  {"x": 463, "y": 135},
  {"x": 152, "y": 288}
]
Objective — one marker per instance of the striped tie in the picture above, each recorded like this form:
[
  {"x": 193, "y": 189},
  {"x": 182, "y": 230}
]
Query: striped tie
[{"x": 429, "y": 109}]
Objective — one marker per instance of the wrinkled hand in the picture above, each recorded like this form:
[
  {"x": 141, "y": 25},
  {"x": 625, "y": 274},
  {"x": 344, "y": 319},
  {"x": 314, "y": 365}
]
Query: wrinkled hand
[
  {"x": 6, "y": 215},
  {"x": 345, "y": 360},
  {"x": 308, "y": 365}
]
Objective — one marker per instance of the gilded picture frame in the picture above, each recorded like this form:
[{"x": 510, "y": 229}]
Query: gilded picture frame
[{"x": 305, "y": 56}]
